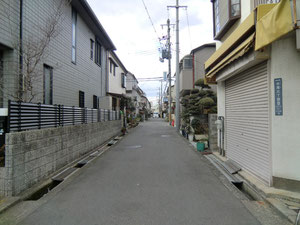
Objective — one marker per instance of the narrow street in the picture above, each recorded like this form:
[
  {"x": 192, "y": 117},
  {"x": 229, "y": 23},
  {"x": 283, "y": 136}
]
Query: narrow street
[{"x": 152, "y": 176}]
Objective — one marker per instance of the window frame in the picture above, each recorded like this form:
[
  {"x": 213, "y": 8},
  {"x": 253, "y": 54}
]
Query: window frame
[
  {"x": 95, "y": 102},
  {"x": 98, "y": 52},
  {"x": 231, "y": 19},
  {"x": 74, "y": 36},
  {"x": 112, "y": 67},
  {"x": 81, "y": 99},
  {"x": 92, "y": 48},
  {"x": 123, "y": 80},
  {"x": 51, "y": 85},
  {"x": 114, "y": 106}
]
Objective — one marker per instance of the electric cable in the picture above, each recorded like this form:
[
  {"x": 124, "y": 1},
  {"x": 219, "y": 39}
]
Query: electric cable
[
  {"x": 188, "y": 23},
  {"x": 151, "y": 21}
]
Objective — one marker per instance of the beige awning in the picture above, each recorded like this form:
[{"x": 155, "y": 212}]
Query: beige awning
[
  {"x": 236, "y": 53},
  {"x": 276, "y": 23}
]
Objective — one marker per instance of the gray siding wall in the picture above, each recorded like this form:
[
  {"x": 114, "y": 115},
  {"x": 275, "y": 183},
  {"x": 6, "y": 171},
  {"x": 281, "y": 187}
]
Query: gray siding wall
[
  {"x": 68, "y": 78},
  {"x": 9, "y": 33},
  {"x": 32, "y": 156},
  {"x": 200, "y": 58}
]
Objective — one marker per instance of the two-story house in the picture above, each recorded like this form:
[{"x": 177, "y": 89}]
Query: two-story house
[
  {"x": 116, "y": 90},
  {"x": 53, "y": 52},
  {"x": 191, "y": 67},
  {"x": 134, "y": 92},
  {"x": 256, "y": 68},
  {"x": 199, "y": 57}
]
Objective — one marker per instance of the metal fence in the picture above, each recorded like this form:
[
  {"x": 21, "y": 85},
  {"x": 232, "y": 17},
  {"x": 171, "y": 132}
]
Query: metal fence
[{"x": 27, "y": 116}]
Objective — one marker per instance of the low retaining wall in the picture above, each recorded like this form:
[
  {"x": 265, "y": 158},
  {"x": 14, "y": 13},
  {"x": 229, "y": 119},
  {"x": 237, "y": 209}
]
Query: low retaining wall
[{"x": 32, "y": 156}]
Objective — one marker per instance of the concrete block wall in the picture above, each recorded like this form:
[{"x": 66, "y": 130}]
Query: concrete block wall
[
  {"x": 32, "y": 156},
  {"x": 212, "y": 132}
]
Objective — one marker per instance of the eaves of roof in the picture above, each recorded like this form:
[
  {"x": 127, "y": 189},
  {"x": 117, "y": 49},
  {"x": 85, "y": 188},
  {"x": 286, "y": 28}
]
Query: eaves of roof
[
  {"x": 87, "y": 14},
  {"x": 209, "y": 45}
]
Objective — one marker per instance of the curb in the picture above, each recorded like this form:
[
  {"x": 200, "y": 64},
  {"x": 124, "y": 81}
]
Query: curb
[{"x": 272, "y": 199}]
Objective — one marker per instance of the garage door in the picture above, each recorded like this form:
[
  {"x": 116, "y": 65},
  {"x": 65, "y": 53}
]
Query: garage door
[{"x": 247, "y": 120}]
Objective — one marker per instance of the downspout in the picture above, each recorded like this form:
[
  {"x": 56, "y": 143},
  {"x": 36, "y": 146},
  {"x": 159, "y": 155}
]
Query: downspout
[
  {"x": 193, "y": 70},
  {"x": 21, "y": 78}
]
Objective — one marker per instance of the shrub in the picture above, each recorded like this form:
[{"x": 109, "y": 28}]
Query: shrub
[
  {"x": 207, "y": 102},
  {"x": 195, "y": 91}
]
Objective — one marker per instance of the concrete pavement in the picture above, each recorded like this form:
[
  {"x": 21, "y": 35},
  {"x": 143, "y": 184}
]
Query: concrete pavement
[{"x": 152, "y": 176}]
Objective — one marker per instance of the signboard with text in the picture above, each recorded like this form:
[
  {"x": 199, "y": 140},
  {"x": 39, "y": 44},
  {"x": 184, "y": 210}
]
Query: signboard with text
[{"x": 278, "y": 97}]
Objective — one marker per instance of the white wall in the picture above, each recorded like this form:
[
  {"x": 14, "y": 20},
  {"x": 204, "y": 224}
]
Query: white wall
[
  {"x": 115, "y": 81},
  {"x": 221, "y": 103},
  {"x": 286, "y": 129}
]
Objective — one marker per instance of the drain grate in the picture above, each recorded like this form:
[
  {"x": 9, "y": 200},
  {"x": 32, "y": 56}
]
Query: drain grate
[{"x": 43, "y": 191}]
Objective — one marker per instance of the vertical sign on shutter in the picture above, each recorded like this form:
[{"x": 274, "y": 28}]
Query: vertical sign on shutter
[{"x": 278, "y": 96}]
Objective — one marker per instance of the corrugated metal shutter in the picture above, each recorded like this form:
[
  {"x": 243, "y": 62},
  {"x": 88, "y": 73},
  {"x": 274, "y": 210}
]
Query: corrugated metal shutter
[{"x": 247, "y": 120}]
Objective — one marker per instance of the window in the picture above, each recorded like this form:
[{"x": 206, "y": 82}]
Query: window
[
  {"x": 98, "y": 53},
  {"x": 92, "y": 49},
  {"x": 95, "y": 102},
  {"x": 225, "y": 13},
  {"x": 74, "y": 31},
  {"x": 188, "y": 63},
  {"x": 112, "y": 67},
  {"x": 114, "y": 104},
  {"x": 123, "y": 80},
  {"x": 48, "y": 85},
  {"x": 81, "y": 99}
]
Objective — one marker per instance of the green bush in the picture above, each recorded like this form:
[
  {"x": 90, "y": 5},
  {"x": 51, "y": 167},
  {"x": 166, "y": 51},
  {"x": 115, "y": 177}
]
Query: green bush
[
  {"x": 207, "y": 102},
  {"x": 199, "y": 127},
  {"x": 195, "y": 91}
]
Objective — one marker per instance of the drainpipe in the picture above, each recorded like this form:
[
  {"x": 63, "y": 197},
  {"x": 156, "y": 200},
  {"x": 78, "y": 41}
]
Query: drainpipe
[
  {"x": 193, "y": 70},
  {"x": 21, "y": 76}
]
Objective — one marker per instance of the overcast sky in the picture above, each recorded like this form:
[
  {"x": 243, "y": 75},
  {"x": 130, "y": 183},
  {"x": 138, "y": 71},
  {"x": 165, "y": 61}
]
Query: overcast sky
[{"x": 129, "y": 27}]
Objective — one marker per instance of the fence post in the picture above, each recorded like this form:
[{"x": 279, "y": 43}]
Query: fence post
[
  {"x": 55, "y": 120},
  {"x": 82, "y": 115},
  {"x": 40, "y": 115},
  {"x": 86, "y": 116},
  {"x": 109, "y": 115},
  {"x": 73, "y": 111},
  {"x": 92, "y": 115},
  {"x": 19, "y": 116},
  {"x": 62, "y": 112},
  {"x": 8, "y": 117}
]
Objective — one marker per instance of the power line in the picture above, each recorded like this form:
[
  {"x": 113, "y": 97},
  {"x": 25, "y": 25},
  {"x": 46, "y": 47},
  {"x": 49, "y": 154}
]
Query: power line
[
  {"x": 151, "y": 20},
  {"x": 188, "y": 23}
]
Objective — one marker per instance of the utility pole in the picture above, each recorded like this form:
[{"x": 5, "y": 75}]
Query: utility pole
[
  {"x": 177, "y": 109},
  {"x": 169, "y": 57},
  {"x": 169, "y": 54},
  {"x": 161, "y": 100}
]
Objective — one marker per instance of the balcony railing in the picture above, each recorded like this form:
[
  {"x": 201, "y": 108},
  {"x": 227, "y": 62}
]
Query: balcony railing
[{"x": 260, "y": 2}]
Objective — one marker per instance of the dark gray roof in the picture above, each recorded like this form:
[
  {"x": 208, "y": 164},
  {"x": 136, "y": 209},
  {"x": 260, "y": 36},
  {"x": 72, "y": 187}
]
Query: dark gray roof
[
  {"x": 208, "y": 45},
  {"x": 87, "y": 14}
]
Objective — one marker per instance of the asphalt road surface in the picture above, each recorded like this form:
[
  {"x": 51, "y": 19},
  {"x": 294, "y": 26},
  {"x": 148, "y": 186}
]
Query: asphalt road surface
[{"x": 151, "y": 177}]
